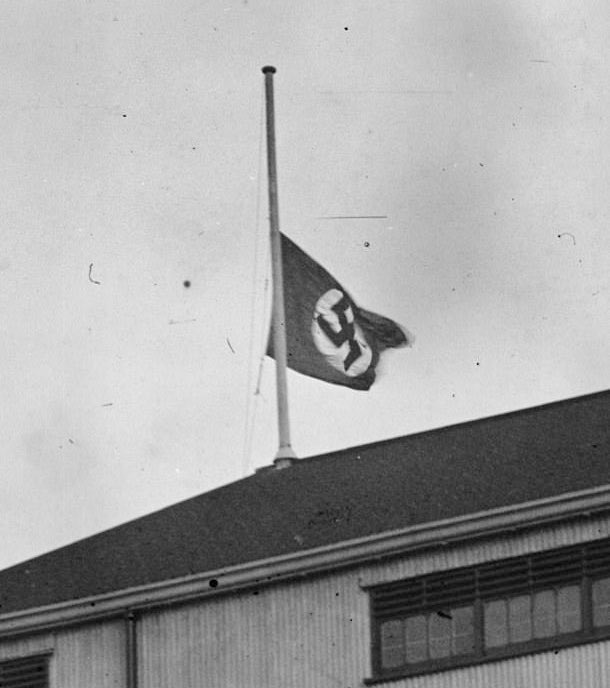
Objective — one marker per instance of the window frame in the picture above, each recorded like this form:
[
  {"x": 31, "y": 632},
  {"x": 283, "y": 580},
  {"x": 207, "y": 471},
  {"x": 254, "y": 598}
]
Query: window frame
[{"x": 593, "y": 560}]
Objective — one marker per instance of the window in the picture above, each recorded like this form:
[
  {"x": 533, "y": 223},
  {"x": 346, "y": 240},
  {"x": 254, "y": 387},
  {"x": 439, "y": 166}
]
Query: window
[
  {"x": 25, "y": 672},
  {"x": 498, "y": 609},
  {"x": 427, "y": 636}
]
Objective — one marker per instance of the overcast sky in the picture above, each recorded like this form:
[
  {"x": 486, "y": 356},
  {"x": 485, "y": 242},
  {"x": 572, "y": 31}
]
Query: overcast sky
[{"x": 133, "y": 161}]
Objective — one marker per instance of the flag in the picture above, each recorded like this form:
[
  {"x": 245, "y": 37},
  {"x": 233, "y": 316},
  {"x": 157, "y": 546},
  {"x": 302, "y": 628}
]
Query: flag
[{"x": 327, "y": 335}]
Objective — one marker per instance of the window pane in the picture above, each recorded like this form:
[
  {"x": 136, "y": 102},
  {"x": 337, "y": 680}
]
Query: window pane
[
  {"x": 392, "y": 651},
  {"x": 439, "y": 634},
  {"x": 520, "y": 619},
  {"x": 462, "y": 627},
  {"x": 568, "y": 609},
  {"x": 416, "y": 639},
  {"x": 601, "y": 602},
  {"x": 496, "y": 629},
  {"x": 544, "y": 614}
]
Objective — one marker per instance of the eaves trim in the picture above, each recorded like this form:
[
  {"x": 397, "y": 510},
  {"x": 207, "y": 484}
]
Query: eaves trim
[{"x": 299, "y": 564}]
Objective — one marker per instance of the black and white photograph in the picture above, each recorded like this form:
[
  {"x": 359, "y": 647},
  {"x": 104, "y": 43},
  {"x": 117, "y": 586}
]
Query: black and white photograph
[{"x": 304, "y": 355}]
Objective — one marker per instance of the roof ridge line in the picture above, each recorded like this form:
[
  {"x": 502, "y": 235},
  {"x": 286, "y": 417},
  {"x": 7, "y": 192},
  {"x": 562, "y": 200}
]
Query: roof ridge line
[{"x": 460, "y": 424}]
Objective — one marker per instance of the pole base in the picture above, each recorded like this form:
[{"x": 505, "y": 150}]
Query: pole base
[{"x": 285, "y": 457}]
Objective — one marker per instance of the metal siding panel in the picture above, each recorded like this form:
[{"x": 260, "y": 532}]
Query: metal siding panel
[
  {"x": 83, "y": 656},
  {"x": 324, "y": 627},
  {"x": 585, "y": 666},
  {"x": 310, "y": 634},
  {"x": 315, "y": 632},
  {"x": 92, "y": 655}
]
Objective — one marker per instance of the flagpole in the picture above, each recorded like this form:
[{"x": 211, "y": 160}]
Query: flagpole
[{"x": 285, "y": 453}]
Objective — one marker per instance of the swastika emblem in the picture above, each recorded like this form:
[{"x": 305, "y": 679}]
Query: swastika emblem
[{"x": 338, "y": 337}]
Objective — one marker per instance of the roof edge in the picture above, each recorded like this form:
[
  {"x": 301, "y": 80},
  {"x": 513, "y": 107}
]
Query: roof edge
[
  {"x": 340, "y": 555},
  {"x": 435, "y": 430}
]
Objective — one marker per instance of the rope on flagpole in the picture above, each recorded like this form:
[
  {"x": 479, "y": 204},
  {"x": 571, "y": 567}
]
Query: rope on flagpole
[
  {"x": 257, "y": 389},
  {"x": 263, "y": 346},
  {"x": 250, "y": 413}
]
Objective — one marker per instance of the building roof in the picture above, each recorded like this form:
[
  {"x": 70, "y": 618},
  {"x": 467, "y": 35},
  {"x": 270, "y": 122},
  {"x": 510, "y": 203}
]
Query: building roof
[{"x": 440, "y": 474}]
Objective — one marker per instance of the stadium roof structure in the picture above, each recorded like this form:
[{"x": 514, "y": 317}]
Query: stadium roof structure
[{"x": 437, "y": 476}]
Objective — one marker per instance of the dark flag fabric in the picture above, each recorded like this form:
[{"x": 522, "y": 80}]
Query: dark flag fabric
[{"x": 328, "y": 336}]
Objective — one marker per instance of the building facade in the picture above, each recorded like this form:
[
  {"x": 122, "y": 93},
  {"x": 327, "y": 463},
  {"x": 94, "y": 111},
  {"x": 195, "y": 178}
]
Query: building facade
[{"x": 472, "y": 556}]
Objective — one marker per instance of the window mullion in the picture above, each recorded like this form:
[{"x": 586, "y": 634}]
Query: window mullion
[
  {"x": 586, "y": 595},
  {"x": 479, "y": 631}
]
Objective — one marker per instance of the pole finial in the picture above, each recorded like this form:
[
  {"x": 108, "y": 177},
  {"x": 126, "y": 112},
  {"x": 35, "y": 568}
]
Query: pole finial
[{"x": 268, "y": 69}]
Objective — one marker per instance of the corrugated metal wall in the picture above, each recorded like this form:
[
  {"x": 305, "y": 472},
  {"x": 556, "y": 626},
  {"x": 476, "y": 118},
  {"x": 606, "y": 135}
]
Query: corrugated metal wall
[
  {"x": 585, "y": 666},
  {"x": 311, "y": 633},
  {"x": 305, "y": 634},
  {"x": 87, "y": 656},
  {"x": 315, "y": 633}
]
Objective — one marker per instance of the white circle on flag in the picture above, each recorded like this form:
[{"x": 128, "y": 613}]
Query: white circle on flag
[{"x": 338, "y": 337}]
